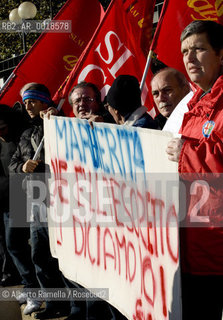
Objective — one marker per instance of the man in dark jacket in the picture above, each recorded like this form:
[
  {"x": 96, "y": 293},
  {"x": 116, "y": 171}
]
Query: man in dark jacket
[
  {"x": 36, "y": 97},
  {"x": 8, "y": 140}
]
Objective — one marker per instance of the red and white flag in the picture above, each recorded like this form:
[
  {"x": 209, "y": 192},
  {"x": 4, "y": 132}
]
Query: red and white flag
[
  {"x": 54, "y": 55},
  {"x": 119, "y": 46},
  {"x": 175, "y": 16}
]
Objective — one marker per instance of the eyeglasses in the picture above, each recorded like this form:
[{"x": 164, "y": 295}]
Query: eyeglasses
[{"x": 87, "y": 100}]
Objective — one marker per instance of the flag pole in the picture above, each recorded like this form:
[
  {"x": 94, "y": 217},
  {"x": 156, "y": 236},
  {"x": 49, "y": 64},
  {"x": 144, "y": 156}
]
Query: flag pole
[
  {"x": 12, "y": 75},
  {"x": 148, "y": 62},
  {"x": 155, "y": 37},
  {"x": 40, "y": 146}
]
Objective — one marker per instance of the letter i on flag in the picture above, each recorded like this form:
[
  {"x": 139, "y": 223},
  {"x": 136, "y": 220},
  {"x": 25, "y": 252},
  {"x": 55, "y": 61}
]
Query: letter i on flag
[
  {"x": 175, "y": 16},
  {"x": 53, "y": 55},
  {"x": 119, "y": 46}
]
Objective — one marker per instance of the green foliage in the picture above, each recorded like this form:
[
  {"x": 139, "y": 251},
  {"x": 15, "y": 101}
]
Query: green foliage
[
  {"x": 11, "y": 43},
  {"x": 105, "y": 3}
]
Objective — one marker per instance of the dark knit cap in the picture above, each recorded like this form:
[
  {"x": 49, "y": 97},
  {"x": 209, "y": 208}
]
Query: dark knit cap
[{"x": 124, "y": 94}]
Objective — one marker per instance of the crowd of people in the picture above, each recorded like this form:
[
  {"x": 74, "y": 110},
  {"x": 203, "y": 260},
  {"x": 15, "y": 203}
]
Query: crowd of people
[{"x": 25, "y": 253}]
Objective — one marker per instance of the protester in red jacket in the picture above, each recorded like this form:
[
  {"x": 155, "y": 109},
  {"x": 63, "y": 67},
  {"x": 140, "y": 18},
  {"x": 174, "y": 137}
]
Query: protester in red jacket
[{"x": 200, "y": 156}]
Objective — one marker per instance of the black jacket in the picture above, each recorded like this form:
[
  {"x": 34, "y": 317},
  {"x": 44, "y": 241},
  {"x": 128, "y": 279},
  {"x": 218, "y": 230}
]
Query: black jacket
[
  {"x": 161, "y": 120},
  {"x": 25, "y": 149},
  {"x": 7, "y": 148}
]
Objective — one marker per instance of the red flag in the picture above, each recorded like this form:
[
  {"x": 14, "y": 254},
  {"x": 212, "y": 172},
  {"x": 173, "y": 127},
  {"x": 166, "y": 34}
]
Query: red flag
[
  {"x": 175, "y": 16},
  {"x": 53, "y": 55},
  {"x": 119, "y": 46}
]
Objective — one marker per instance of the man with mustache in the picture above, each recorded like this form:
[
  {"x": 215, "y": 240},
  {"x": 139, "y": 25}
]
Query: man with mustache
[
  {"x": 169, "y": 86},
  {"x": 199, "y": 153}
]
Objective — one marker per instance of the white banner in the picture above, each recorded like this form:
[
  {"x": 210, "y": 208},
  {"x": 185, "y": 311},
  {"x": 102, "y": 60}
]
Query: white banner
[{"x": 113, "y": 213}]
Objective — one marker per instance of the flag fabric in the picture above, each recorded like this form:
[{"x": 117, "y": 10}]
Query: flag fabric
[
  {"x": 175, "y": 16},
  {"x": 53, "y": 55},
  {"x": 119, "y": 46}
]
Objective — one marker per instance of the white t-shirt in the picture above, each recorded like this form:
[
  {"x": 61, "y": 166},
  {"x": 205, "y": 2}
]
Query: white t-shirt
[{"x": 175, "y": 120}]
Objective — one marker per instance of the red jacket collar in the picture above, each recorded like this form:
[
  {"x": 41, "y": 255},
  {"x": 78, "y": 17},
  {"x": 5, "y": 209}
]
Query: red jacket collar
[{"x": 210, "y": 99}]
